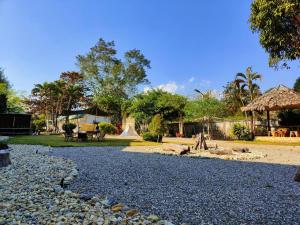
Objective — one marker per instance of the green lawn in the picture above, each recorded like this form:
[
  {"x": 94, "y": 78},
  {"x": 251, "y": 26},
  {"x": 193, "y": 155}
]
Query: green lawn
[{"x": 58, "y": 141}]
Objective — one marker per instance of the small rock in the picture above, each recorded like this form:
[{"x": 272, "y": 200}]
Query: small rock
[{"x": 132, "y": 212}]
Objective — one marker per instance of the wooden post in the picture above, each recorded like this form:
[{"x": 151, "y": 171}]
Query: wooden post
[
  {"x": 252, "y": 125},
  {"x": 268, "y": 123}
]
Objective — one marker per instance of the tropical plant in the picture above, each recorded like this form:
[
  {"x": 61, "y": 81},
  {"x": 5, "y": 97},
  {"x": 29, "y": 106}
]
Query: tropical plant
[
  {"x": 249, "y": 90},
  {"x": 38, "y": 123},
  {"x": 241, "y": 132},
  {"x": 106, "y": 128},
  {"x": 148, "y": 136},
  {"x": 156, "y": 129},
  {"x": 278, "y": 24},
  {"x": 59, "y": 97}
]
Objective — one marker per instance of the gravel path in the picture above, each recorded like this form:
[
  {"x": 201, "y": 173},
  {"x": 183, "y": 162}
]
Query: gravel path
[{"x": 189, "y": 190}]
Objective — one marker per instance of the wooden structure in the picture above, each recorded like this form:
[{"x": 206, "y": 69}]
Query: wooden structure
[
  {"x": 278, "y": 98},
  {"x": 200, "y": 142},
  {"x": 15, "y": 123}
]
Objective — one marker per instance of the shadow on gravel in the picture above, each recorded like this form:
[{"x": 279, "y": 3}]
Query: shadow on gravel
[{"x": 189, "y": 190}]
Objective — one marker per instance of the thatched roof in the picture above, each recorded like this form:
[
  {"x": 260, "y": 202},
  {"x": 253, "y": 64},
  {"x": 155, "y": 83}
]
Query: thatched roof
[{"x": 275, "y": 99}]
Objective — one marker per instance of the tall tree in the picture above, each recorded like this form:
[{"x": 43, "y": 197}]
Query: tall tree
[
  {"x": 59, "y": 97},
  {"x": 297, "y": 85},
  {"x": 4, "y": 87},
  {"x": 247, "y": 83},
  {"x": 110, "y": 79},
  {"x": 278, "y": 24}
]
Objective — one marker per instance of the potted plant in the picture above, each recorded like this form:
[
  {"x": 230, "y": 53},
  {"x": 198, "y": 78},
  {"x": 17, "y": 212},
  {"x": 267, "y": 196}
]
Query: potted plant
[{"x": 4, "y": 152}]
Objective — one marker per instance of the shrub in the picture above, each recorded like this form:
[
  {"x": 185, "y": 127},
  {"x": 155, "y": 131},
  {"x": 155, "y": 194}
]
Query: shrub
[
  {"x": 3, "y": 145},
  {"x": 261, "y": 131},
  {"x": 156, "y": 125},
  {"x": 241, "y": 132},
  {"x": 148, "y": 136},
  {"x": 106, "y": 128},
  {"x": 69, "y": 127}
]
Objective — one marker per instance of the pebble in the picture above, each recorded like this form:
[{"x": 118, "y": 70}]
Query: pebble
[{"x": 31, "y": 193}]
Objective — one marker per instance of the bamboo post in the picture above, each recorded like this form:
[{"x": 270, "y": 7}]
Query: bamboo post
[{"x": 268, "y": 123}]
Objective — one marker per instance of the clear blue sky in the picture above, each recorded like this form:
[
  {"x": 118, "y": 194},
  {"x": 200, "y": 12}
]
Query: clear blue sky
[{"x": 191, "y": 43}]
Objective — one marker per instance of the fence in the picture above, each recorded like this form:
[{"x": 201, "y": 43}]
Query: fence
[{"x": 12, "y": 124}]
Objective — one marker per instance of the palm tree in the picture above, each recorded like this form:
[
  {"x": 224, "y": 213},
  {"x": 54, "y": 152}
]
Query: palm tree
[
  {"x": 250, "y": 88},
  {"x": 246, "y": 82}
]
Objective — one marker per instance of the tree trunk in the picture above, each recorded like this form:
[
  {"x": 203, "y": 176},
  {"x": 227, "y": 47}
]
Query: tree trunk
[
  {"x": 4, "y": 158},
  {"x": 181, "y": 125}
]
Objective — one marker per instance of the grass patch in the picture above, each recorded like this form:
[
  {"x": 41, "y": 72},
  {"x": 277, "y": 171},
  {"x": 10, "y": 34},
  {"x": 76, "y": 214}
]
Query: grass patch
[
  {"x": 258, "y": 142},
  {"x": 58, "y": 141}
]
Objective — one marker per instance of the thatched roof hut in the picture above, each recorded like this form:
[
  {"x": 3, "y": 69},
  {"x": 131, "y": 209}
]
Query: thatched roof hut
[{"x": 275, "y": 99}]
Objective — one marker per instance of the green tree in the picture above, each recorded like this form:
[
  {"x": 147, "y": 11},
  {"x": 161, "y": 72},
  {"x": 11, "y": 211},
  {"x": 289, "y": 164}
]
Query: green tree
[
  {"x": 278, "y": 24},
  {"x": 110, "y": 79},
  {"x": 157, "y": 102},
  {"x": 208, "y": 109},
  {"x": 4, "y": 85},
  {"x": 59, "y": 97},
  {"x": 249, "y": 90},
  {"x": 297, "y": 85}
]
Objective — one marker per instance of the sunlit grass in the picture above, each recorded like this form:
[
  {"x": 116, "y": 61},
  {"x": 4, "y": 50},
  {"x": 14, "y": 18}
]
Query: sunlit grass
[{"x": 58, "y": 141}]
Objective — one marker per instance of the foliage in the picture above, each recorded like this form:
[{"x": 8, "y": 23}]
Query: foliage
[
  {"x": 241, "y": 91},
  {"x": 148, "y": 136},
  {"x": 289, "y": 117},
  {"x": 39, "y": 122},
  {"x": 156, "y": 126},
  {"x": 69, "y": 127},
  {"x": 206, "y": 108},
  {"x": 297, "y": 85},
  {"x": 277, "y": 23},
  {"x": 241, "y": 132},
  {"x": 4, "y": 85},
  {"x": 249, "y": 89},
  {"x": 146, "y": 105},
  {"x": 3, "y": 145},
  {"x": 261, "y": 131},
  {"x": 106, "y": 128},
  {"x": 59, "y": 97},
  {"x": 156, "y": 129},
  {"x": 110, "y": 79}
]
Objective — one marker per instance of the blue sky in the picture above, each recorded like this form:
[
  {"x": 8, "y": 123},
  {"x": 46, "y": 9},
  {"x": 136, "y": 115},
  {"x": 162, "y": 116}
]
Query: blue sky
[{"x": 191, "y": 43}]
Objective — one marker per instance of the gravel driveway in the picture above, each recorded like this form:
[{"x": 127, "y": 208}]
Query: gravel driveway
[{"x": 189, "y": 190}]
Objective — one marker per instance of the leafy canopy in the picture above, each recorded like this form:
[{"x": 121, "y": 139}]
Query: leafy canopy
[
  {"x": 146, "y": 105},
  {"x": 112, "y": 80},
  {"x": 278, "y": 25}
]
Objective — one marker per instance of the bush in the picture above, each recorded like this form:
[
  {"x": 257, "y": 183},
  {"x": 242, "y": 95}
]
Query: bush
[
  {"x": 106, "y": 128},
  {"x": 3, "y": 145},
  {"x": 261, "y": 131},
  {"x": 156, "y": 126},
  {"x": 148, "y": 136},
  {"x": 241, "y": 132},
  {"x": 69, "y": 127}
]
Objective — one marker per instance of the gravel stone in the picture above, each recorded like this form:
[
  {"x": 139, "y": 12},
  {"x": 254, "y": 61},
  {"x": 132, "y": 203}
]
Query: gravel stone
[
  {"x": 31, "y": 193},
  {"x": 189, "y": 190}
]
